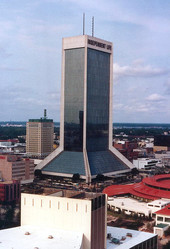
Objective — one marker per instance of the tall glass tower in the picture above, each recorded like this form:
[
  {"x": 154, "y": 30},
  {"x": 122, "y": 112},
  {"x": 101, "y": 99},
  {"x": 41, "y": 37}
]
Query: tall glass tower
[{"x": 86, "y": 106}]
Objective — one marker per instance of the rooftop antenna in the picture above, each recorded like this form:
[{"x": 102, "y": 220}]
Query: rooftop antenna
[
  {"x": 45, "y": 113},
  {"x": 83, "y": 23},
  {"x": 93, "y": 26}
]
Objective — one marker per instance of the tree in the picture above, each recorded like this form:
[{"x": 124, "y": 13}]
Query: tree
[
  {"x": 100, "y": 177},
  {"x": 76, "y": 177}
]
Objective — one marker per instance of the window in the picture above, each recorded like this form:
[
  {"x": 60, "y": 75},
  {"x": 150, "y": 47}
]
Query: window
[
  {"x": 167, "y": 220},
  {"x": 33, "y": 202},
  {"x": 76, "y": 207},
  {"x": 24, "y": 201},
  {"x": 58, "y": 205},
  {"x": 41, "y": 203},
  {"x": 67, "y": 206},
  {"x": 50, "y": 204},
  {"x": 159, "y": 218}
]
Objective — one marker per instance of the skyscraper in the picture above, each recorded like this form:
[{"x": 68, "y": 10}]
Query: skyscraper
[
  {"x": 39, "y": 137},
  {"x": 86, "y": 106}
]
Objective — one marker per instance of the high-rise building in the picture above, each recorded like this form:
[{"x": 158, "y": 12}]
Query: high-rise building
[
  {"x": 39, "y": 137},
  {"x": 86, "y": 113}
]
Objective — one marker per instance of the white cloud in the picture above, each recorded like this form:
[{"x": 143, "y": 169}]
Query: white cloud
[
  {"x": 155, "y": 97},
  {"x": 138, "y": 70}
]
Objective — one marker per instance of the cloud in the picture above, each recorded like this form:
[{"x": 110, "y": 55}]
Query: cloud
[
  {"x": 138, "y": 70},
  {"x": 155, "y": 97}
]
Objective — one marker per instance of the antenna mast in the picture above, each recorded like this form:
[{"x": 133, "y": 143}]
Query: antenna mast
[
  {"x": 93, "y": 26},
  {"x": 83, "y": 23}
]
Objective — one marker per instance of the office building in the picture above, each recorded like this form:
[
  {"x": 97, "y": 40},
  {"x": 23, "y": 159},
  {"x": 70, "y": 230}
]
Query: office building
[
  {"x": 9, "y": 191},
  {"x": 86, "y": 113},
  {"x": 15, "y": 167},
  {"x": 39, "y": 137}
]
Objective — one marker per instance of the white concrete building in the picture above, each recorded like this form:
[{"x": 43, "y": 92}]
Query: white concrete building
[
  {"x": 145, "y": 163},
  {"x": 162, "y": 221},
  {"x": 158, "y": 204},
  {"x": 62, "y": 219}
]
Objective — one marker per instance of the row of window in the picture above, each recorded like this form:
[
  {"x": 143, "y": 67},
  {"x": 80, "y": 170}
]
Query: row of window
[
  {"x": 160, "y": 218},
  {"x": 58, "y": 205}
]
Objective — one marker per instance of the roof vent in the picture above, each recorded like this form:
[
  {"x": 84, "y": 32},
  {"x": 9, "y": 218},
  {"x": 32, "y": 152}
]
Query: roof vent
[
  {"x": 27, "y": 233},
  {"x": 129, "y": 234},
  {"x": 50, "y": 237}
]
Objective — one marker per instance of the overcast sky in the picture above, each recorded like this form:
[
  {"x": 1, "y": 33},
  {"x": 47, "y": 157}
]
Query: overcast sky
[{"x": 31, "y": 34}]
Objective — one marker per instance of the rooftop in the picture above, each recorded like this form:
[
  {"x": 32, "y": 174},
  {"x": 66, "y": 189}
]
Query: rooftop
[
  {"x": 164, "y": 211},
  {"x": 128, "y": 238},
  {"x": 130, "y": 204},
  {"x": 41, "y": 120},
  {"x": 66, "y": 193},
  {"x": 49, "y": 238},
  {"x": 161, "y": 225},
  {"x": 151, "y": 188},
  {"x": 39, "y": 238}
]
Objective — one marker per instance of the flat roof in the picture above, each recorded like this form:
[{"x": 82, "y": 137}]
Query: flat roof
[
  {"x": 49, "y": 238},
  {"x": 159, "y": 202},
  {"x": 161, "y": 225},
  {"x": 64, "y": 193},
  {"x": 41, "y": 120},
  {"x": 137, "y": 237},
  {"x": 130, "y": 204},
  {"x": 38, "y": 237}
]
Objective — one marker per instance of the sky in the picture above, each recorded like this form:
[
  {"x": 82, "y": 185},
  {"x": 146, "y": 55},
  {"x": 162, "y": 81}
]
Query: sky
[{"x": 31, "y": 33}]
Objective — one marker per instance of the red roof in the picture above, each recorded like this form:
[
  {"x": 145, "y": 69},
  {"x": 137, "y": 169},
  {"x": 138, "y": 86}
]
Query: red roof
[
  {"x": 164, "y": 211},
  {"x": 151, "y": 188}
]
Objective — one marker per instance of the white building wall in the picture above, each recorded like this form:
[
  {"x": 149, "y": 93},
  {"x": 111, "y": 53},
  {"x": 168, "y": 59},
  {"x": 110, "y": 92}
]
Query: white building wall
[{"x": 58, "y": 212}]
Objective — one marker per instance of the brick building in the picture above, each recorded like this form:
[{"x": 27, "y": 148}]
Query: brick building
[{"x": 15, "y": 167}]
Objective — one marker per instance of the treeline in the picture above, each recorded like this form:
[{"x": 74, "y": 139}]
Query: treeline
[
  {"x": 13, "y": 132},
  {"x": 140, "y": 131}
]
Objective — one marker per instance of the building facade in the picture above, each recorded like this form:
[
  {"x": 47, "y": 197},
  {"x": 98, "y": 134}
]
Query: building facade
[
  {"x": 15, "y": 167},
  {"x": 86, "y": 107},
  {"x": 70, "y": 211},
  {"x": 10, "y": 191},
  {"x": 39, "y": 137},
  {"x": 162, "y": 220}
]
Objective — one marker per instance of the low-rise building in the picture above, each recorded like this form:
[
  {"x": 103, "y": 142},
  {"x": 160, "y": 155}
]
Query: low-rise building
[
  {"x": 16, "y": 167},
  {"x": 145, "y": 163},
  {"x": 162, "y": 220}
]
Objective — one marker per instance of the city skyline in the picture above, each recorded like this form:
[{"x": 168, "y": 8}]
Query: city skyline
[{"x": 30, "y": 55}]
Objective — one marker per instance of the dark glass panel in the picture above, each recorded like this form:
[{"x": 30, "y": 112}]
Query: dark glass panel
[
  {"x": 73, "y": 99},
  {"x": 98, "y": 79}
]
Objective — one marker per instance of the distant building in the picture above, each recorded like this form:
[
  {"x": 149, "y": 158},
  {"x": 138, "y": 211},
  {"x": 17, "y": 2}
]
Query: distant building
[
  {"x": 10, "y": 191},
  {"x": 127, "y": 148},
  {"x": 15, "y": 167},
  {"x": 39, "y": 137},
  {"x": 161, "y": 143},
  {"x": 145, "y": 163}
]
